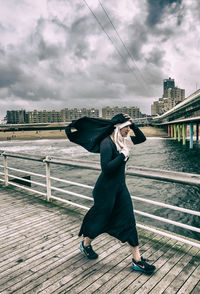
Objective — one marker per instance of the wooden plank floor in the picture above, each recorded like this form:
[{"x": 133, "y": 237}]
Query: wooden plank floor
[{"x": 39, "y": 254}]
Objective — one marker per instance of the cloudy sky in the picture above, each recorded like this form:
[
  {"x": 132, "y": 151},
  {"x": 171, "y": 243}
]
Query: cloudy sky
[{"x": 94, "y": 53}]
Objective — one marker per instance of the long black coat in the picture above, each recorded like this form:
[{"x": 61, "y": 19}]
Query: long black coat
[{"x": 112, "y": 211}]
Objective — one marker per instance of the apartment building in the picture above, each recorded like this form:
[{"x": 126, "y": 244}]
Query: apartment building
[
  {"x": 108, "y": 112},
  {"x": 75, "y": 113}
]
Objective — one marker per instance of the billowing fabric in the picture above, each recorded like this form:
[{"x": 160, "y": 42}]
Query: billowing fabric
[
  {"x": 112, "y": 211},
  {"x": 89, "y": 132}
]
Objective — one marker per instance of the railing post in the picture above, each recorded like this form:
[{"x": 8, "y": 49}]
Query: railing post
[
  {"x": 5, "y": 169},
  {"x": 48, "y": 179}
]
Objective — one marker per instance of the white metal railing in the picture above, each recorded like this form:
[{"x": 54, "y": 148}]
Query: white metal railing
[{"x": 161, "y": 175}]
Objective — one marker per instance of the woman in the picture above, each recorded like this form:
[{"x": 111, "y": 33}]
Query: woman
[{"x": 112, "y": 211}]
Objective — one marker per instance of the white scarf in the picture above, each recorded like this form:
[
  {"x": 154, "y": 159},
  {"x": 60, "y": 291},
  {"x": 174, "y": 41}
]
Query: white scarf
[{"x": 122, "y": 142}]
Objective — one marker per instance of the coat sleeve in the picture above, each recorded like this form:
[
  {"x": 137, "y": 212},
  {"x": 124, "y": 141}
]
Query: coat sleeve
[
  {"x": 139, "y": 136},
  {"x": 109, "y": 165}
]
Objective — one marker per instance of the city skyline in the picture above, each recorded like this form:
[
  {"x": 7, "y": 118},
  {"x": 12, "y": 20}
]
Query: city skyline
[
  {"x": 67, "y": 114},
  {"x": 56, "y": 54}
]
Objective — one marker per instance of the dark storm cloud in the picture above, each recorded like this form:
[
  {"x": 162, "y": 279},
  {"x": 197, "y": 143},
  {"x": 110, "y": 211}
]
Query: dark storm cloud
[
  {"x": 33, "y": 91},
  {"x": 10, "y": 74},
  {"x": 137, "y": 38},
  {"x": 196, "y": 11},
  {"x": 42, "y": 49},
  {"x": 2, "y": 52},
  {"x": 156, "y": 9},
  {"x": 79, "y": 32},
  {"x": 22, "y": 77},
  {"x": 156, "y": 57},
  {"x": 46, "y": 51},
  {"x": 76, "y": 35}
]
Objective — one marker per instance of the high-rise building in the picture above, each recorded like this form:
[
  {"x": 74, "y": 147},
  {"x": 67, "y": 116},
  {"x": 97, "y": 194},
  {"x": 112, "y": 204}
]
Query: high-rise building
[
  {"x": 167, "y": 83},
  {"x": 171, "y": 97},
  {"x": 16, "y": 117}
]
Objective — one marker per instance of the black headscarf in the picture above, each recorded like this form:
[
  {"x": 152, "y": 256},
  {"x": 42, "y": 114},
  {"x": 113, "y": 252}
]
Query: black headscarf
[{"x": 89, "y": 132}]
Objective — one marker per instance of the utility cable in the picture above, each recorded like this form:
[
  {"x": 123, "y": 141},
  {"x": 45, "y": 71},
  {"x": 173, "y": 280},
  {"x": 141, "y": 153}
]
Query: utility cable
[
  {"x": 130, "y": 69},
  {"x": 127, "y": 50}
]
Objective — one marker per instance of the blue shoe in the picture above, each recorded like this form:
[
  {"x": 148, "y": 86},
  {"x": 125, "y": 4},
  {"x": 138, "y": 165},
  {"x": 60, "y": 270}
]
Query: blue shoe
[
  {"x": 88, "y": 251},
  {"x": 143, "y": 266}
]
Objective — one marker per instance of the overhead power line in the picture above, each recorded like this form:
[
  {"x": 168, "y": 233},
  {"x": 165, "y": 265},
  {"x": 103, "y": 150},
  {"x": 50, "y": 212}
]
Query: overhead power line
[
  {"x": 124, "y": 45},
  {"x": 102, "y": 27},
  {"x": 118, "y": 51}
]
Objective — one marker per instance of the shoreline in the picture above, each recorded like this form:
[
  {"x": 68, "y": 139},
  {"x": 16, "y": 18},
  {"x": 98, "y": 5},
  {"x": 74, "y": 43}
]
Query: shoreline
[{"x": 60, "y": 134}]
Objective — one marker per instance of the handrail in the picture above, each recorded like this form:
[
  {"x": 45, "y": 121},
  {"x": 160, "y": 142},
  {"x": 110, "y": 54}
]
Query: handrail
[
  {"x": 185, "y": 210},
  {"x": 91, "y": 187},
  {"x": 150, "y": 173},
  {"x": 164, "y": 175},
  {"x": 22, "y": 155},
  {"x": 133, "y": 171},
  {"x": 157, "y": 174}
]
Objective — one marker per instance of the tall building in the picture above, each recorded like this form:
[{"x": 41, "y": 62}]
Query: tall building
[
  {"x": 109, "y": 112},
  {"x": 171, "y": 97},
  {"x": 167, "y": 83},
  {"x": 16, "y": 117}
]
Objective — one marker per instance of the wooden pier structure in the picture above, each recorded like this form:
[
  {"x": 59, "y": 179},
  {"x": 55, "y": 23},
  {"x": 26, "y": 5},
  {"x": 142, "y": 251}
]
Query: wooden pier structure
[{"x": 39, "y": 253}]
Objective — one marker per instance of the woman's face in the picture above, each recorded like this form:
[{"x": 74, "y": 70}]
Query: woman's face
[{"x": 124, "y": 131}]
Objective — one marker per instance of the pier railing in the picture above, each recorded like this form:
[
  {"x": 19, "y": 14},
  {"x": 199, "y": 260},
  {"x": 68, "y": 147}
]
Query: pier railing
[{"x": 161, "y": 175}]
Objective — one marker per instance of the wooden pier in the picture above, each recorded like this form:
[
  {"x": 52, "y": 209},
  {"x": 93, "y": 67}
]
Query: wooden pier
[{"x": 39, "y": 253}]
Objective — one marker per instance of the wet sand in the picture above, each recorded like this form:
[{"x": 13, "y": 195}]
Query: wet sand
[{"x": 60, "y": 134}]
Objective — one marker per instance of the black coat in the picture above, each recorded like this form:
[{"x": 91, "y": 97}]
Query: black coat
[
  {"x": 89, "y": 132},
  {"x": 112, "y": 211}
]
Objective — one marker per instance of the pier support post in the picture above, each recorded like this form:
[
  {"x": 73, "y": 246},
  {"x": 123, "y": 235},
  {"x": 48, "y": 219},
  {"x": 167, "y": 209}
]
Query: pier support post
[
  {"x": 184, "y": 134},
  {"x": 5, "y": 169},
  {"x": 172, "y": 131},
  {"x": 197, "y": 131},
  {"x": 179, "y": 132},
  {"x": 191, "y": 135},
  {"x": 48, "y": 179},
  {"x": 168, "y": 128},
  {"x": 175, "y": 129}
]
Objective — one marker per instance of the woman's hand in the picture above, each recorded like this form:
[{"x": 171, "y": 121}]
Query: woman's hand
[
  {"x": 125, "y": 151},
  {"x": 128, "y": 116}
]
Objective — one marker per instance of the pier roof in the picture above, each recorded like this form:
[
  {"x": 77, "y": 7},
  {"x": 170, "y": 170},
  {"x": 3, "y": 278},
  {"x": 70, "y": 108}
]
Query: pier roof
[{"x": 39, "y": 254}]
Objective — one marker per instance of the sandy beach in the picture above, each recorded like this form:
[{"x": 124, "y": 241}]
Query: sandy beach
[{"x": 60, "y": 134}]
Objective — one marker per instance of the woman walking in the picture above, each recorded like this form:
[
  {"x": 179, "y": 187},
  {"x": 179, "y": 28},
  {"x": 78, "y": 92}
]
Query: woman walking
[{"x": 112, "y": 211}]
